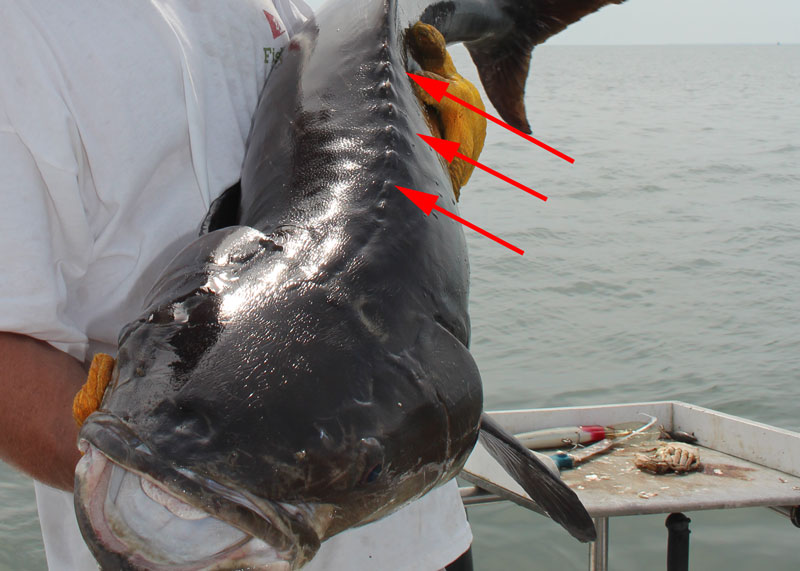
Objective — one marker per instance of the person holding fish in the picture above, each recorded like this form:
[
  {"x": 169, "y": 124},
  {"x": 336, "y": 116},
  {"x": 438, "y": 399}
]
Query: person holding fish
[{"x": 120, "y": 123}]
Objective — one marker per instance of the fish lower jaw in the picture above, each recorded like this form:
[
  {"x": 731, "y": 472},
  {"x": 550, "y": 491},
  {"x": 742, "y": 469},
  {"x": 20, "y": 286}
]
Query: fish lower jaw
[{"x": 131, "y": 522}]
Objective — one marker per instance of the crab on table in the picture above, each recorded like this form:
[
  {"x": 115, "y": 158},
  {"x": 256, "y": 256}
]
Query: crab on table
[{"x": 670, "y": 457}]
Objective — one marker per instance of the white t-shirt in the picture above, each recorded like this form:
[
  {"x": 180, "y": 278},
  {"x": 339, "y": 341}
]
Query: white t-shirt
[{"x": 120, "y": 122}]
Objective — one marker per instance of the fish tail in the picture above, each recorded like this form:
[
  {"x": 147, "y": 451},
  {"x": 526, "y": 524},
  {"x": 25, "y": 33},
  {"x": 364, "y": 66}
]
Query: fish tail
[
  {"x": 500, "y": 36},
  {"x": 503, "y": 61}
]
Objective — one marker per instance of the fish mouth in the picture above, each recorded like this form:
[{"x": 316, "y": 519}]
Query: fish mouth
[{"x": 141, "y": 514}]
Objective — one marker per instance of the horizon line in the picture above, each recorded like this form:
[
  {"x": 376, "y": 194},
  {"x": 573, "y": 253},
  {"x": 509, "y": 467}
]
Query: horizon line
[{"x": 672, "y": 44}]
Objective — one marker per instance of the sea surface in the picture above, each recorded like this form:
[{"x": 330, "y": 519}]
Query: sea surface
[{"x": 665, "y": 265}]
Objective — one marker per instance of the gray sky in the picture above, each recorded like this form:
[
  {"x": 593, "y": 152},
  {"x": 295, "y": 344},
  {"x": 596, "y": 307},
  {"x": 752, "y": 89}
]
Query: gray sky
[{"x": 685, "y": 22}]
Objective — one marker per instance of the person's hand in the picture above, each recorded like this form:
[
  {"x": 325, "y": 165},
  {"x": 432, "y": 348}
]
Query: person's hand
[
  {"x": 447, "y": 119},
  {"x": 90, "y": 396}
]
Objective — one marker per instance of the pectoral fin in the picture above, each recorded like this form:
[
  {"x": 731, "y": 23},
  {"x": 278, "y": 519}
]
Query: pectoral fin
[
  {"x": 546, "y": 489},
  {"x": 224, "y": 211}
]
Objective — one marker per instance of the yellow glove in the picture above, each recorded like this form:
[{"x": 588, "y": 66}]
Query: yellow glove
[
  {"x": 447, "y": 119},
  {"x": 90, "y": 396}
]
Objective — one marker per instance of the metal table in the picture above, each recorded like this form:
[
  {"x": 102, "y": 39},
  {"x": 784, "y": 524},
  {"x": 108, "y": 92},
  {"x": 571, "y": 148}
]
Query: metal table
[{"x": 744, "y": 464}]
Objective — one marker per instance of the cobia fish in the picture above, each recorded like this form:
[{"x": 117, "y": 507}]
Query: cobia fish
[{"x": 303, "y": 366}]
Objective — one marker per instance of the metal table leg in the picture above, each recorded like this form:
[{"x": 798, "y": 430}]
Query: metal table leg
[
  {"x": 598, "y": 549},
  {"x": 792, "y": 512},
  {"x": 678, "y": 542}
]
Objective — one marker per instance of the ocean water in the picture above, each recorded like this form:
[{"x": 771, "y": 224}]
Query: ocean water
[{"x": 665, "y": 265}]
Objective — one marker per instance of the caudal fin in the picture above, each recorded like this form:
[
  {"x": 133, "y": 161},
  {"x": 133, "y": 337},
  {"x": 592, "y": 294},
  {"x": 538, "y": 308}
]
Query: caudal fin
[
  {"x": 546, "y": 489},
  {"x": 503, "y": 60}
]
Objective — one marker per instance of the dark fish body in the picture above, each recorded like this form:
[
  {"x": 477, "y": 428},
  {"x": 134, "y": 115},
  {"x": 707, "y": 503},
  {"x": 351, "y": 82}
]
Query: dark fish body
[{"x": 303, "y": 366}]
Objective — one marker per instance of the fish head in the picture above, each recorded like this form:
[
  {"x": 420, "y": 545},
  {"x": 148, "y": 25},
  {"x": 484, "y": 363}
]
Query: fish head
[{"x": 236, "y": 436}]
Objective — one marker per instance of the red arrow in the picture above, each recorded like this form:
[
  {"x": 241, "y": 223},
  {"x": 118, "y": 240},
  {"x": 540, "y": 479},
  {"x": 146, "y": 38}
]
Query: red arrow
[
  {"x": 438, "y": 89},
  {"x": 449, "y": 150},
  {"x": 427, "y": 203}
]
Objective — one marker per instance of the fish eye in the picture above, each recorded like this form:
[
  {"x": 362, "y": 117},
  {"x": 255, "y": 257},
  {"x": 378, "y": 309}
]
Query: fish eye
[
  {"x": 372, "y": 474},
  {"x": 370, "y": 460}
]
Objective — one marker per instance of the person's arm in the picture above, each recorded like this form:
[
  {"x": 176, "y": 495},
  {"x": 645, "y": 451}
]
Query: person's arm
[
  {"x": 37, "y": 432},
  {"x": 45, "y": 237}
]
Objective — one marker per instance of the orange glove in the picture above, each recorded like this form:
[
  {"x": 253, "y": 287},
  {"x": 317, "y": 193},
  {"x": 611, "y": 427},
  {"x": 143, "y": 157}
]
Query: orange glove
[
  {"x": 447, "y": 119},
  {"x": 90, "y": 396}
]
